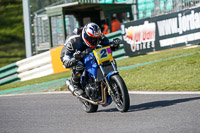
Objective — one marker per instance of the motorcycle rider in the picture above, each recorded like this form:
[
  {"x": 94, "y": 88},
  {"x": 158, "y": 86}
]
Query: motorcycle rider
[{"x": 87, "y": 37}]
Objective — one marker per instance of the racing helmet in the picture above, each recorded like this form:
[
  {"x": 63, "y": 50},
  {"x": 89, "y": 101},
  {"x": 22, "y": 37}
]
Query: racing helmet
[{"x": 91, "y": 34}]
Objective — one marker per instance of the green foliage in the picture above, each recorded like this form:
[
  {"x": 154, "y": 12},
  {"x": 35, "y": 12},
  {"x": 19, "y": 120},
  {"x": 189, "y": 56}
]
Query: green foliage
[
  {"x": 12, "y": 46},
  {"x": 11, "y": 24},
  {"x": 8, "y": 2},
  {"x": 11, "y": 52}
]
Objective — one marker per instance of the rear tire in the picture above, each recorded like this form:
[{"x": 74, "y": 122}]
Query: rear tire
[
  {"x": 120, "y": 93},
  {"x": 88, "y": 107}
]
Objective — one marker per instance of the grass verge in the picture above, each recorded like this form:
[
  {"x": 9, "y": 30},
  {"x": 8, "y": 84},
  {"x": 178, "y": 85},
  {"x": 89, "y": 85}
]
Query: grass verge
[
  {"x": 176, "y": 74},
  {"x": 36, "y": 81},
  {"x": 180, "y": 74}
]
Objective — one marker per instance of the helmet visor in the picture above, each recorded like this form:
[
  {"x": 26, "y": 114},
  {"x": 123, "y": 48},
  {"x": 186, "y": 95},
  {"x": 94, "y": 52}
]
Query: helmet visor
[{"x": 93, "y": 41}]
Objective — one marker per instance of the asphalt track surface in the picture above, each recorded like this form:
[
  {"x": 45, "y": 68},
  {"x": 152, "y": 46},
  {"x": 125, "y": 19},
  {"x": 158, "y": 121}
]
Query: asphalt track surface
[{"x": 62, "y": 113}]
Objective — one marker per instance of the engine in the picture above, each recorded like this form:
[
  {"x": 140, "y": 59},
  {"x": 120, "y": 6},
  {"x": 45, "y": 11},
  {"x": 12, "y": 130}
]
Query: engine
[{"x": 92, "y": 91}]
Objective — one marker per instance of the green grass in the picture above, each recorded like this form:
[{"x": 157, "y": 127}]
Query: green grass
[
  {"x": 37, "y": 80},
  {"x": 180, "y": 74},
  {"x": 175, "y": 74},
  {"x": 156, "y": 56}
]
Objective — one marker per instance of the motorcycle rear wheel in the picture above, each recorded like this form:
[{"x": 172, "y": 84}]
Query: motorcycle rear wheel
[
  {"x": 88, "y": 107},
  {"x": 120, "y": 93}
]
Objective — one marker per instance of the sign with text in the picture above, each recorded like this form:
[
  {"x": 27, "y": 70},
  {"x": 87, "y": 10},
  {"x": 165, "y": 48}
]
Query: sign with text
[{"x": 162, "y": 32}]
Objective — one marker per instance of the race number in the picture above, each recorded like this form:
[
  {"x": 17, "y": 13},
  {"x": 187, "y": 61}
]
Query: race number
[{"x": 103, "y": 54}]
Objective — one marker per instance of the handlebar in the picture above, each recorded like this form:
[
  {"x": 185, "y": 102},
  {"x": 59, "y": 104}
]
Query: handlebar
[{"x": 87, "y": 51}]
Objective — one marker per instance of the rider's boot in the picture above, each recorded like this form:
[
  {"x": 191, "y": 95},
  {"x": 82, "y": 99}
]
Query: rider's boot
[
  {"x": 76, "y": 74},
  {"x": 77, "y": 87}
]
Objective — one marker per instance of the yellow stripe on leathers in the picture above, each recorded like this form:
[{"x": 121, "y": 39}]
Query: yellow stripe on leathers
[{"x": 55, "y": 60}]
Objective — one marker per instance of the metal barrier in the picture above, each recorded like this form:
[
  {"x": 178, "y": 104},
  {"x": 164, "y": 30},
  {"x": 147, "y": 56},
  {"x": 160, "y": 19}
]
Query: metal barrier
[{"x": 8, "y": 74}]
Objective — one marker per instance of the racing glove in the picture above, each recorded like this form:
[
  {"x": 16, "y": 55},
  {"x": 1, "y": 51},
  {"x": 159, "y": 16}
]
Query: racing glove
[
  {"x": 88, "y": 50},
  {"x": 70, "y": 63},
  {"x": 115, "y": 44},
  {"x": 77, "y": 55}
]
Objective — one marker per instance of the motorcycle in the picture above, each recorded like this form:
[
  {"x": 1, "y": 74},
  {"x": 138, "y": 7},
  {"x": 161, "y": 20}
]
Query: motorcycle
[{"x": 101, "y": 82}]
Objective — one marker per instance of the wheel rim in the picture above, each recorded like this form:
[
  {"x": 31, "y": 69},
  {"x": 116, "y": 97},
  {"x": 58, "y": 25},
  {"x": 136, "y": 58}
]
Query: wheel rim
[{"x": 118, "y": 99}]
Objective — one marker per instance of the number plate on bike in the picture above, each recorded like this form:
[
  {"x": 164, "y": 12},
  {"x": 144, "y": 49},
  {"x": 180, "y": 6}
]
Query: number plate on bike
[{"x": 103, "y": 54}]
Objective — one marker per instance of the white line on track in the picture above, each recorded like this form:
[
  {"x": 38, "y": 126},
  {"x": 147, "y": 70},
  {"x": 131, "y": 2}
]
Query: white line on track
[
  {"x": 164, "y": 92},
  {"x": 40, "y": 93},
  {"x": 130, "y": 92}
]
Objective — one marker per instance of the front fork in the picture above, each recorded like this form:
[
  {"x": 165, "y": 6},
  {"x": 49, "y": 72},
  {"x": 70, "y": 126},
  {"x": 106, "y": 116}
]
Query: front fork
[{"x": 107, "y": 77}]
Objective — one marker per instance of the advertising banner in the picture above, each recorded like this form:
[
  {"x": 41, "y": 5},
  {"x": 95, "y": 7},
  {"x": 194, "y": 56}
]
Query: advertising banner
[{"x": 162, "y": 32}]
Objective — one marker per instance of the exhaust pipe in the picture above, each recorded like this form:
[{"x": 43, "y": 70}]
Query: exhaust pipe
[
  {"x": 103, "y": 91},
  {"x": 70, "y": 86},
  {"x": 67, "y": 82}
]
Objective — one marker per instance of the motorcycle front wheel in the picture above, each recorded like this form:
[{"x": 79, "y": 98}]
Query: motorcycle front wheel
[{"x": 120, "y": 93}]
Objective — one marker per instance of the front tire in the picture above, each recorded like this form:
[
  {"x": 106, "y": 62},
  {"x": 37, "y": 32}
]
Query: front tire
[{"x": 120, "y": 93}]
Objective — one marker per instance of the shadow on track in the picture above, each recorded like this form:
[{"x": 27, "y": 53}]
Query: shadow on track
[{"x": 152, "y": 105}]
